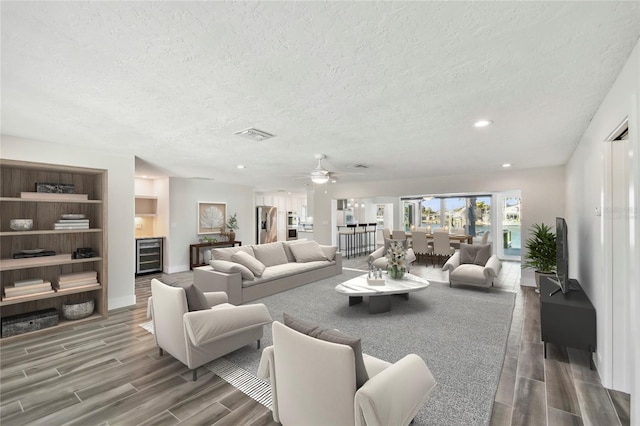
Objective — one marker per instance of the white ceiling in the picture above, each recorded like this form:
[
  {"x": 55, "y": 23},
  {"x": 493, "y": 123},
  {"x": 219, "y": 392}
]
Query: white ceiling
[{"x": 395, "y": 85}]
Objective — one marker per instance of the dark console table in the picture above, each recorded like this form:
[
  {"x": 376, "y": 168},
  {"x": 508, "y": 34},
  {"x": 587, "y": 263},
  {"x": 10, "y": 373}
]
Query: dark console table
[
  {"x": 567, "y": 319},
  {"x": 195, "y": 255}
]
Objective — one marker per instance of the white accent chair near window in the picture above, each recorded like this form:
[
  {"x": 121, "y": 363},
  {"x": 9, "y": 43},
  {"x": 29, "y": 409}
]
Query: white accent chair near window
[
  {"x": 313, "y": 382},
  {"x": 473, "y": 265},
  {"x": 198, "y": 337}
]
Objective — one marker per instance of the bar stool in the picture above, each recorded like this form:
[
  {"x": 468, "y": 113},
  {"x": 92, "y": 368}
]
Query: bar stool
[
  {"x": 349, "y": 238},
  {"x": 372, "y": 229}
]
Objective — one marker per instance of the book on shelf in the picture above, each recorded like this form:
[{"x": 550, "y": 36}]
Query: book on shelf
[
  {"x": 71, "y": 226},
  {"x": 62, "y": 290},
  {"x": 11, "y": 291},
  {"x": 30, "y": 281},
  {"x": 51, "y": 196},
  {"x": 73, "y": 221},
  {"x": 79, "y": 283},
  {"x": 29, "y": 255},
  {"x": 24, "y": 296},
  {"x": 75, "y": 276}
]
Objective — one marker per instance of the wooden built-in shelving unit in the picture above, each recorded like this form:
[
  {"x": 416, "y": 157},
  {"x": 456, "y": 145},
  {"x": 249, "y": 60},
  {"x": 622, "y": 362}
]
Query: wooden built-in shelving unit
[{"x": 21, "y": 176}]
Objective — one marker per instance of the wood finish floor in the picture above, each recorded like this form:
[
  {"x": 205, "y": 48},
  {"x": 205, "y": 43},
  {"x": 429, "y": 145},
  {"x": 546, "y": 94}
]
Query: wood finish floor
[{"x": 108, "y": 372}]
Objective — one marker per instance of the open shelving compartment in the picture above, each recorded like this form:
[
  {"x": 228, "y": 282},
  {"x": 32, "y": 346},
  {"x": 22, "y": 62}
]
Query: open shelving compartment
[{"x": 21, "y": 176}]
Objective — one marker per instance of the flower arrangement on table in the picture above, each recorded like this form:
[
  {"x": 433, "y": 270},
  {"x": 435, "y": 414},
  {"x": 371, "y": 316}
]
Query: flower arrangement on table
[{"x": 396, "y": 260}]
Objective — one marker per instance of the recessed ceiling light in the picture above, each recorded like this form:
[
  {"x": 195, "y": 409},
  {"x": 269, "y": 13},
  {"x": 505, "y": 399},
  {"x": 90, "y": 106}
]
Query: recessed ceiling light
[
  {"x": 505, "y": 165},
  {"x": 482, "y": 123},
  {"x": 241, "y": 166},
  {"x": 333, "y": 181}
]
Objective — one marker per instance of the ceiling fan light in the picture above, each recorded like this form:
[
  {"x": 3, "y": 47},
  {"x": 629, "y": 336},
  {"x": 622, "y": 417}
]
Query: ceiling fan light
[{"x": 320, "y": 179}]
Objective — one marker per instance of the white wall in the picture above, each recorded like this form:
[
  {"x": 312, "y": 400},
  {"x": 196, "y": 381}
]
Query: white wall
[
  {"x": 542, "y": 193},
  {"x": 617, "y": 302},
  {"x": 184, "y": 195},
  {"x": 120, "y": 177}
]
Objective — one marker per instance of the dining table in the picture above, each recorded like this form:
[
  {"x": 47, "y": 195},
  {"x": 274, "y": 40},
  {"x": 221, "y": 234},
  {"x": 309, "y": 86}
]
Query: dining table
[{"x": 463, "y": 238}]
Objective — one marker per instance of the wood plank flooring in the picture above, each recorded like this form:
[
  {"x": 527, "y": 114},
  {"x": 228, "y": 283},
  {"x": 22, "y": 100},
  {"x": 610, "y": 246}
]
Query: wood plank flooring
[{"x": 109, "y": 372}]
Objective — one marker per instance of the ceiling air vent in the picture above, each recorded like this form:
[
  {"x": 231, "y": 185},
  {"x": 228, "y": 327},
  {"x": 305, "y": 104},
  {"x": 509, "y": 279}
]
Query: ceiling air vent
[
  {"x": 359, "y": 166},
  {"x": 254, "y": 134}
]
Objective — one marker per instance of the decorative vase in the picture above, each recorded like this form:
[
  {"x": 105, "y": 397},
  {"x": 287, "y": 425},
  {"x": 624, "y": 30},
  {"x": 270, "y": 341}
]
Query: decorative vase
[
  {"x": 232, "y": 236},
  {"x": 78, "y": 310},
  {"x": 396, "y": 272}
]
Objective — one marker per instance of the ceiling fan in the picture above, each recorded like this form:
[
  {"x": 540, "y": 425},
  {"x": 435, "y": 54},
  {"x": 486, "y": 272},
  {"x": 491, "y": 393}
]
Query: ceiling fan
[{"x": 320, "y": 175}]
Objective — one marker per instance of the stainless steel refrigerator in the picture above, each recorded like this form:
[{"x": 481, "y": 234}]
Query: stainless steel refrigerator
[{"x": 267, "y": 224}]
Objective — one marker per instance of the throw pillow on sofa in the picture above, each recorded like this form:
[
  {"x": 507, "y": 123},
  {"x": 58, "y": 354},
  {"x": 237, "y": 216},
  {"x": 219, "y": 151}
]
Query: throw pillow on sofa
[
  {"x": 308, "y": 251},
  {"x": 255, "y": 266},
  {"x": 287, "y": 248},
  {"x": 232, "y": 268},
  {"x": 226, "y": 252},
  {"x": 330, "y": 252},
  {"x": 270, "y": 254},
  {"x": 333, "y": 336},
  {"x": 475, "y": 254}
]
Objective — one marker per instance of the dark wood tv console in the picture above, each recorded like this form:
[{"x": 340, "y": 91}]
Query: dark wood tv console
[{"x": 567, "y": 319}]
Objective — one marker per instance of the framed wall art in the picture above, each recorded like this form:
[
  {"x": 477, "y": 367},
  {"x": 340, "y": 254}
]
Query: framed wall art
[{"x": 211, "y": 217}]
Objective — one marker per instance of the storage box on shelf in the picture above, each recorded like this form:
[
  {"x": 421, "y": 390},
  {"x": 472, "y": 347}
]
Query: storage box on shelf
[{"x": 47, "y": 210}]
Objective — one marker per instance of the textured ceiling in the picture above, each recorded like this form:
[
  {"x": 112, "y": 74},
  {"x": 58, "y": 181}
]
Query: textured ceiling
[{"x": 394, "y": 85}]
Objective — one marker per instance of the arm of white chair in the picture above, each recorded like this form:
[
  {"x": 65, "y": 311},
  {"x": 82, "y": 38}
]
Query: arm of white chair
[
  {"x": 210, "y": 325},
  {"x": 452, "y": 263},
  {"x": 411, "y": 256},
  {"x": 377, "y": 254},
  {"x": 394, "y": 396},
  {"x": 216, "y": 297},
  {"x": 492, "y": 268},
  {"x": 267, "y": 370}
]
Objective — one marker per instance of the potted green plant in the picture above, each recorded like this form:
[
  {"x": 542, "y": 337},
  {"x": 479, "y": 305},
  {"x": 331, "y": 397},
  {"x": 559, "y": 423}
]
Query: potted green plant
[
  {"x": 541, "y": 251},
  {"x": 232, "y": 225}
]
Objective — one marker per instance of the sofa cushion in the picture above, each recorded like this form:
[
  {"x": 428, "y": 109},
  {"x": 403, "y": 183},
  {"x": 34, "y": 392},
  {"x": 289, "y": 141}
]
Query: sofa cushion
[
  {"x": 468, "y": 273},
  {"x": 270, "y": 254},
  {"x": 333, "y": 336},
  {"x": 286, "y": 270},
  {"x": 255, "y": 266},
  {"x": 330, "y": 251},
  {"x": 226, "y": 252},
  {"x": 231, "y": 268},
  {"x": 287, "y": 248},
  {"x": 476, "y": 254},
  {"x": 307, "y": 251},
  {"x": 196, "y": 300}
]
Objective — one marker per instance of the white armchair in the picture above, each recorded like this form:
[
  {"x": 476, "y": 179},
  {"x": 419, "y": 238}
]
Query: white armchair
[
  {"x": 378, "y": 259},
  {"x": 313, "y": 382},
  {"x": 198, "y": 337},
  {"x": 473, "y": 265}
]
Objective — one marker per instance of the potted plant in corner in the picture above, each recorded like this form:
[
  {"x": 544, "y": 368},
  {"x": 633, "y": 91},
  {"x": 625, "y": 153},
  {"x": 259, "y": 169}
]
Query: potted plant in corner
[
  {"x": 541, "y": 251},
  {"x": 232, "y": 225}
]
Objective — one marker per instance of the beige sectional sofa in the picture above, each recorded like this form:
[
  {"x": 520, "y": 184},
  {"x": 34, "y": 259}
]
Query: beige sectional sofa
[{"x": 248, "y": 273}]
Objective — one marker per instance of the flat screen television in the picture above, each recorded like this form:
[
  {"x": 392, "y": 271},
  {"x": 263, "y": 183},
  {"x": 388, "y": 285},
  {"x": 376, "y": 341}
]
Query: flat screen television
[{"x": 562, "y": 255}]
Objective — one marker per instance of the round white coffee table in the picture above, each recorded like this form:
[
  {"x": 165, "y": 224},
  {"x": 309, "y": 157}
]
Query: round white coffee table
[{"x": 380, "y": 295}]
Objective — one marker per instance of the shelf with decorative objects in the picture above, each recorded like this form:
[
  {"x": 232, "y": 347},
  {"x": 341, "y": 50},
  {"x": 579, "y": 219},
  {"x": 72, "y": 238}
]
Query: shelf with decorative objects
[{"x": 53, "y": 245}]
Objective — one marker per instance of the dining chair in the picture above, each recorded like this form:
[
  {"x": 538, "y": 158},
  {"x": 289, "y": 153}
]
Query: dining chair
[
  {"x": 485, "y": 237},
  {"x": 398, "y": 235},
  {"x": 442, "y": 246},
  {"x": 421, "y": 246},
  {"x": 386, "y": 234}
]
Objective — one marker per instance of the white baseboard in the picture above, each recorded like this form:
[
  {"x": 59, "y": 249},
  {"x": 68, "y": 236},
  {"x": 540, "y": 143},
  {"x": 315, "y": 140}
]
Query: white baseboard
[
  {"x": 121, "y": 302},
  {"x": 174, "y": 269}
]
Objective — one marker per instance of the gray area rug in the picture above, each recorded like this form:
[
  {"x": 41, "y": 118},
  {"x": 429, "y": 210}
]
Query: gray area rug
[{"x": 460, "y": 332}]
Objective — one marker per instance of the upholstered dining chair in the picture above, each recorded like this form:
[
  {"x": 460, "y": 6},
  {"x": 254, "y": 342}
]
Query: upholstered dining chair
[
  {"x": 196, "y": 337},
  {"x": 317, "y": 381},
  {"x": 442, "y": 246},
  {"x": 386, "y": 234},
  {"x": 398, "y": 235},
  {"x": 485, "y": 237},
  {"x": 421, "y": 246}
]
